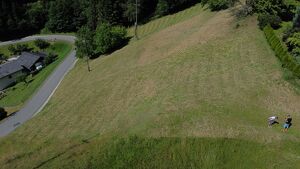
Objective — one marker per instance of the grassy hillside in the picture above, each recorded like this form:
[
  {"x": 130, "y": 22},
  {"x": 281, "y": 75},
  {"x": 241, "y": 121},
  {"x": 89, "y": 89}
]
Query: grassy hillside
[{"x": 194, "y": 92}]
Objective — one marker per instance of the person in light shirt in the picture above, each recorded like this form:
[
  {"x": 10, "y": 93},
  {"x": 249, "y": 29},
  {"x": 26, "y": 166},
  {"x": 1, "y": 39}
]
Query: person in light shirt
[{"x": 272, "y": 120}]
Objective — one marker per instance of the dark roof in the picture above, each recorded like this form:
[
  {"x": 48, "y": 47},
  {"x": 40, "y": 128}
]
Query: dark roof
[
  {"x": 9, "y": 68},
  {"x": 29, "y": 59},
  {"x": 26, "y": 60}
]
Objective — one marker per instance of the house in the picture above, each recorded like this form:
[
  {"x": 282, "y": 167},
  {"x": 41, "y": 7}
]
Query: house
[{"x": 26, "y": 63}]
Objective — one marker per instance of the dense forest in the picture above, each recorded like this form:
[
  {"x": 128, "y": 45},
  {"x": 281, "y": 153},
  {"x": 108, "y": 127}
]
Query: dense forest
[{"x": 23, "y": 17}]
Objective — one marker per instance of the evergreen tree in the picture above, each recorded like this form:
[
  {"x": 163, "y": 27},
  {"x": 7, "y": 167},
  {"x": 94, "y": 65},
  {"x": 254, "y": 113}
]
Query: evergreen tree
[{"x": 296, "y": 20}]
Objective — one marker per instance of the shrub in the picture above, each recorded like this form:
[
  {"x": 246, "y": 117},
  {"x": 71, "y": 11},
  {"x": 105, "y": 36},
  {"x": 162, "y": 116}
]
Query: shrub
[
  {"x": 162, "y": 8},
  {"x": 165, "y": 7},
  {"x": 3, "y": 58},
  {"x": 294, "y": 41},
  {"x": 271, "y": 7},
  {"x": 18, "y": 49},
  {"x": 22, "y": 78},
  {"x": 45, "y": 31},
  {"x": 108, "y": 38},
  {"x": 22, "y": 48},
  {"x": 42, "y": 44},
  {"x": 216, "y": 5},
  {"x": 288, "y": 75},
  {"x": 3, "y": 113},
  {"x": 244, "y": 11},
  {"x": 267, "y": 19},
  {"x": 296, "y": 20},
  {"x": 287, "y": 31},
  {"x": 296, "y": 53},
  {"x": 281, "y": 52},
  {"x": 119, "y": 35},
  {"x": 50, "y": 58},
  {"x": 12, "y": 49}
]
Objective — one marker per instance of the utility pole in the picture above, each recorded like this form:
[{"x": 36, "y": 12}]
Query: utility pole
[{"x": 136, "y": 20}]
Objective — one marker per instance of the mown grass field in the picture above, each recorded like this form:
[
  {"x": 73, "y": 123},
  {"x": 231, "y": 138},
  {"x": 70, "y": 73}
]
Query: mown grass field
[
  {"x": 193, "y": 92},
  {"x": 17, "y": 95}
]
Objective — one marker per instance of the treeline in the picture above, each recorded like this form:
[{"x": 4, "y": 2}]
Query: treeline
[
  {"x": 287, "y": 60},
  {"x": 70, "y": 15},
  {"x": 278, "y": 14},
  {"x": 23, "y": 17}
]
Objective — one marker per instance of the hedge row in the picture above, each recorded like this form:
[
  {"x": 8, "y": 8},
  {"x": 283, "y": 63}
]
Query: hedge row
[{"x": 281, "y": 51}]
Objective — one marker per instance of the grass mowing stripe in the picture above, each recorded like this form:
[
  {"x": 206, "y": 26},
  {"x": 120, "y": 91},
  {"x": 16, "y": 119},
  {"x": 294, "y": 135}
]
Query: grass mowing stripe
[{"x": 172, "y": 88}]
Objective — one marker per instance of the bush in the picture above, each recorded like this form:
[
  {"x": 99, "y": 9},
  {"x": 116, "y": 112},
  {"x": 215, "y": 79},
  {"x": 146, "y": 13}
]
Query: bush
[
  {"x": 267, "y": 19},
  {"x": 3, "y": 58},
  {"x": 165, "y": 7},
  {"x": 293, "y": 42},
  {"x": 296, "y": 20},
  {"x": 3, "y": 113},
  {"x": 42, "y": 44},
  {"x": 45, "y": 31},
  {"x": 12, "y": 49},
  {"x": 108, "y": 38},
  {"x": 296, "y": 53},
  {"x": 162, "y": 8},
  {"x": 287, "y": 31},
  {"x": 23, "y": 48},
  {"x": 50, "y": 58},
  {"x": 287, "y": 60},
  {"x": 216, "y": 5},
  {"x": 288, "y": 75},
  {"x": 244, "y": 11},
  {"x": 22, "y": 78},
  {"x": 272, "y": 7},
  {"x": 18, "y": 49}
]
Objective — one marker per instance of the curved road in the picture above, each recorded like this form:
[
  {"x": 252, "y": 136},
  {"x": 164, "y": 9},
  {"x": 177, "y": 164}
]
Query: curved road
[{"x": 36, "y": 103}]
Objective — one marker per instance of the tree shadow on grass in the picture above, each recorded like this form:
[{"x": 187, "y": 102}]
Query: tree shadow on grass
[
  {"x": 121, "y": 45},
  {"x": 83, "y": 142}
]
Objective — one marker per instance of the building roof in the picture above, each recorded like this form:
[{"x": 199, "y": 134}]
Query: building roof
[
  {"x": 29, "y": 59},
  {"x": 26, "y": 60},
  {"x": 9, "y": 68}
]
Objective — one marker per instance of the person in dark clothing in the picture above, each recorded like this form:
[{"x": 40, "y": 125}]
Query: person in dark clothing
[{"x": 288, "y": 123}]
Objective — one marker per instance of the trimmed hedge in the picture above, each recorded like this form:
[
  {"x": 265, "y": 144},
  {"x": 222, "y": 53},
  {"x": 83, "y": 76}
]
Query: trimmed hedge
[{"x": 281, "y": 51}]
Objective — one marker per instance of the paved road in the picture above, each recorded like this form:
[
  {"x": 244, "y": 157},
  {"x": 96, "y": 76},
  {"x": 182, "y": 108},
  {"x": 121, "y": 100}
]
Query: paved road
[{"x": 41, "y": 97}]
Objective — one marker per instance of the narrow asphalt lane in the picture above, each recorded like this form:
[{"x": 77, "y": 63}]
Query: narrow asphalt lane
[{"x": 36, "y": 103}]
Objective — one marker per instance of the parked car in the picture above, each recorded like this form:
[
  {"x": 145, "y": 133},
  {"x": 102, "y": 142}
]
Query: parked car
[{"x": 39, "y": 66}]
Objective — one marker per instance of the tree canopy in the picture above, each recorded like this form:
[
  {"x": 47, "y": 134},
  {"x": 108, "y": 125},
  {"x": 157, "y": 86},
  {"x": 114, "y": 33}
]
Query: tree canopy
[{"x": 24, "y": 17}]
